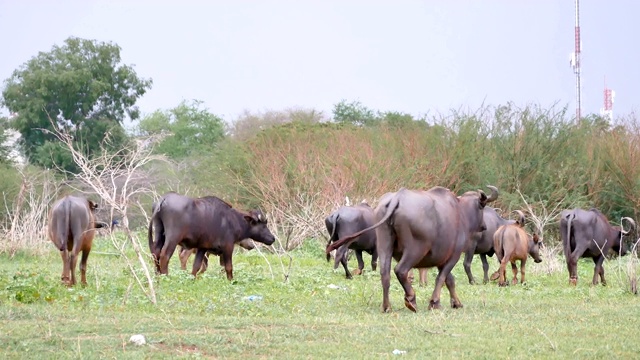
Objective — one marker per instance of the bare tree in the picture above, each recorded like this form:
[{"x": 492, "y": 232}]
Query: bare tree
[
  {"x": 542, "y": 215},
  {"x": 118, "y": 177}
]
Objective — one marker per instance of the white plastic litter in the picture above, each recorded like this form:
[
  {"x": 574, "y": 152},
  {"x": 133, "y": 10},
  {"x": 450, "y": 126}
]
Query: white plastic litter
[
  {"x": 138, "y": 339},
  {"x": 399, "y": 352},
  {"x": 333, "y": 286},
  {"x": 253, "y": 297}
]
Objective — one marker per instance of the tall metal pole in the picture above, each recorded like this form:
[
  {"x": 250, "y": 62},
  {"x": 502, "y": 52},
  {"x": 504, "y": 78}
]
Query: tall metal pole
[{"x": 577, "y": 63}]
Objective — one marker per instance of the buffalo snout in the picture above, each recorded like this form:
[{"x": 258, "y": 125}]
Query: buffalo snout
[{"x": 265, "y": 236}]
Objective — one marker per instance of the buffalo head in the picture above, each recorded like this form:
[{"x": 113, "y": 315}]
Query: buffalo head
[
  {"x": 258, "y": 229},
  {"x": 619, "y": 246},
  {"x": 534, "y": 247},
  {"x": 473, "y": 203}
]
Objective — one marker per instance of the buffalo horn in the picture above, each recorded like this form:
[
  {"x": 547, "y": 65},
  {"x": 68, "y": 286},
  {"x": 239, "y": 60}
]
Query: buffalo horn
[
  {"x": 633, "y": 225},
  {"x": 494, "y": 193},
  {"x": 521, "y": 218}
]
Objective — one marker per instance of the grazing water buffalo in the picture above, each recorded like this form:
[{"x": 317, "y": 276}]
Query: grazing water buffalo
[
  {"x": 423, "y": 229},
  {"x": 482, "y": 242},
  {"x": 348, "y": 220},
  {"x": 185, "y": 253},
  {"x": 512, "y": 243},
  {"x": 587, "y": 233},
  {"x": 207, "y": 224},
  {"x": 71, "y": 228}
]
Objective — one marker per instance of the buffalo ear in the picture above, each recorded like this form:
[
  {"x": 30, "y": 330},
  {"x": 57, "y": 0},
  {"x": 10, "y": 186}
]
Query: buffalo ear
[
  {"x": 483, "y": 198},
  {"x": 250, "y": 219},
  {"x": 92, "y": 205},
  {"x": 536, "y": 239}
]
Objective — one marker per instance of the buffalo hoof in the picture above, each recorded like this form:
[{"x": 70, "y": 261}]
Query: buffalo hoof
[
  {"x": 374, "y": 267},
  {"x": 456, "y": 304},
  {"x": 514, "y": 282},
  {"x": 434, "y": 305},
  {"x": 386, "y": 308},
  {"x": 495, "y": 276},
  {"x": 485, "y": 281},
  {"x": 573, "y": 281},
  {"x": 349, "y": 277},
  {"x": 604, "y": 283},
  {"x": 472, "y": 282},
  {"x": 502, "y": 284},
  {"x": 410, "y": 303},
  {"x": 357, "y": 272}
]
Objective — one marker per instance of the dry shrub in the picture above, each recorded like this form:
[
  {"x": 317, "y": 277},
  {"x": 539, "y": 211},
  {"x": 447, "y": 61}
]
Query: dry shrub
[
  {"x": 552, "y": 260},
  {"x": 300, "y": 173},
  {"x": 26, "y": 228}
]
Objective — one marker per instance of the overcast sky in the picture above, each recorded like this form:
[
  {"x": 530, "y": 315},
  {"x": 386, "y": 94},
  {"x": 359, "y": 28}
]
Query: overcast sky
[{"x": 420, "y": 57}]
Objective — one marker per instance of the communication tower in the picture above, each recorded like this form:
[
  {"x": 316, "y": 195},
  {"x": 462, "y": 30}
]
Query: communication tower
[
  {"x": 575, "y": 61},
  {"x": 609, "y": 96}
]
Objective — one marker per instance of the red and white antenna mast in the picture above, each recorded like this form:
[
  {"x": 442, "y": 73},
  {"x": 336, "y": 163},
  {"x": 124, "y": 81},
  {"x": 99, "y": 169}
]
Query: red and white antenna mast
[
  {"x": 609, "y": 95},
  {"x": 575, "y": 62}
]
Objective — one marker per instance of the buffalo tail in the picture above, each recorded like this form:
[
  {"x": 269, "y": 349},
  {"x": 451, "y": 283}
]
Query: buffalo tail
[
  {"x": 391, "y": 207},
  {"x": 567, "y": 244},
  {"x": 334, "y": 225}
]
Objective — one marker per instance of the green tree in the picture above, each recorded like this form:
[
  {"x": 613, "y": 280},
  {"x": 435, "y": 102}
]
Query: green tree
[
  {"x": 4, "y": 147},
  {"x": 190, "y": 129},
  {"x": 354, "y": 113},
  {"x": 82, "y": 87}
]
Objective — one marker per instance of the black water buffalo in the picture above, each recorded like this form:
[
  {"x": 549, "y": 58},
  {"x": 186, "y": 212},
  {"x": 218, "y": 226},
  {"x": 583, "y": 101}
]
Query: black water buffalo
[
  {"x": 587, "y": 233},
  {"x": 511, "y": 243},
  {"x": 348, "y": 220},
  {"x": 424, "y": 229},
  {"x": 208, "y": 224},
  {"x": 185, "y": 253},
  {"x": 482, "y": 243},
  {"x": 71, "y": 228}
]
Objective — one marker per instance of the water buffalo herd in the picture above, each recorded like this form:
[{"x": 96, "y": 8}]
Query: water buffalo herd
[{"x": 419, "y": 229}]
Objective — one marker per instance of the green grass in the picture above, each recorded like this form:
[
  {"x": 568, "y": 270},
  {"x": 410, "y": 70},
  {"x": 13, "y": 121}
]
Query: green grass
[{"x": 209, "y": 317}]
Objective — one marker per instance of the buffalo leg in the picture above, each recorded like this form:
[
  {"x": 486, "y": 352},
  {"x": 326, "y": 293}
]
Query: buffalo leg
[
  {"x": 65, "y": 267},
  {"x": 598, "y": 270},
  {"x": 572, "y": 263},
  {"x": 523, "y": 265},
  {"x": 358, "y": 271},
  {"x": 451, "y": 286},
  {"x": 345, "y": 265},
  {"x": 73, "y": 260},
  {"x": 184, "y": 257},
  {"x": 422, "y": 274},
  {"x": 485, "y": 268},
  {"x": 197, "y": 262},
  {"x": 444, "y": 272},
  {"x": 374, "y": 259},
  {"x": 228, "y": 265},
  {"x": 502, "y": 271},
  {"x": 402, "y": 273},
  {"x": 468, "y": 257},
  {"x": 514, "y": 269},
  {"x": 83, "y": 266},
  {"x": 384, "y": 246},
  {"x": 165, "y": 254}
]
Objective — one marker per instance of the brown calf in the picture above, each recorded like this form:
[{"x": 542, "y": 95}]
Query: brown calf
[
  {"x": 512, "y": 243},
  {"x": 71, "y": 229}
]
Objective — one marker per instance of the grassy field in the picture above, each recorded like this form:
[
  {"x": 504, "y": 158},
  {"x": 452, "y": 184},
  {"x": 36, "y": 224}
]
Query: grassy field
[{"x": 304, "y": 318}]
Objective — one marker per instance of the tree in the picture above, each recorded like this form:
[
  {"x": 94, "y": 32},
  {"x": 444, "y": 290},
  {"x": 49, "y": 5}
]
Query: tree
[
  {"x": 354, "y": 113},
  {"x": 191, "y": 129},
  {"x": 4, "y": 147},
  {"x": 80, "y": 86}
]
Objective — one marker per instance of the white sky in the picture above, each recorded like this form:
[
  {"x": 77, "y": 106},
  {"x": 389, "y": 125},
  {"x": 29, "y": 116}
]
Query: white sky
[{"x": 412, "y": 56}]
